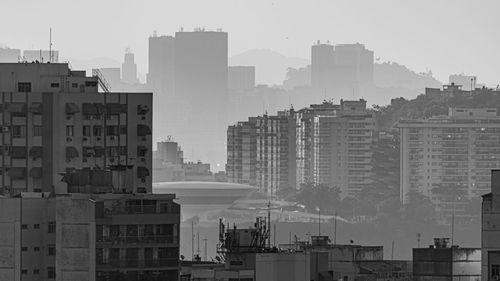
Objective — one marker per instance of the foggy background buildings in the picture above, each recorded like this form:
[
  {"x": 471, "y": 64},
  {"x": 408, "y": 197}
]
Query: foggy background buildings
[{"x": 382, "y": 118}]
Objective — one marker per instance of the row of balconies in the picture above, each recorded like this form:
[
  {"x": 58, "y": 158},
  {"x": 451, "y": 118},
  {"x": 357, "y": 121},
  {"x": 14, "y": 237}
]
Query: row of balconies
[
  {"x": 138, "y": 239},
  {"x": 138, "y": 263}
]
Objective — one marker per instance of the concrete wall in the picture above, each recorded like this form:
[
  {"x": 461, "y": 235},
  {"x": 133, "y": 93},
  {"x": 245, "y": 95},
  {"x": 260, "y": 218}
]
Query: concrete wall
[
  {"x": 10, "y": 244},
  {"x": 282, "y": 267},
  {"x": 75, "y": 239}
]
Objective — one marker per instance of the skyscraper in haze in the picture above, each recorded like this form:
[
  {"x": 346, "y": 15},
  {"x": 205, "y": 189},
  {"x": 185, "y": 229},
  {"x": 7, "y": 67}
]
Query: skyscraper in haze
[
  {"x": 161, "y": 58},
  {"x": 353, "y": 74},
  {"x": 129, "y": 68},
  {"x": 322, "y": 65},
  {"x": 241, "y": 78},
  {"x": 9, "y": 55},
  {"x": 201, "y": 66}
]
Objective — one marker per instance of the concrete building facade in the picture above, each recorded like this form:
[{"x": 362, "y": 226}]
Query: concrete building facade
[
  {"x": 342, "y": 154},
  {"x": 442, "y": 263},
  {"x": 9, "y": 55},
  {"x": 449, "y": 158},
  {"x": 261, "y": 152},
  {"x": 129, "y": 69},
  {"x": 89, "y": 237},
  {"x": 322, "y": 68},
  {"x": 490, "y": 219},
  {"x": 54, "y": 122},
  {"x": 241, "y": 78}
]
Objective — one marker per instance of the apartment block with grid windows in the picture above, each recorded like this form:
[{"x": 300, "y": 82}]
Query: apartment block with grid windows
[
  {"x": 450, "y": 158},
  {"x": 57, "y": 127}
]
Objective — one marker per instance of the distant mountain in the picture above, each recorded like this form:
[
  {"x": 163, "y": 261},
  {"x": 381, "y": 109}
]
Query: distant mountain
[
  {"x": 270, "y": 66},
  {"x": 394, "y": 75}
]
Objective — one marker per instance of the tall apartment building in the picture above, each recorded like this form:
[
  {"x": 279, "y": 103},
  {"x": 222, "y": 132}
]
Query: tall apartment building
[
  {"x": 353, "y": 68},
  {"x": 161, "y": 64},
  {"x": 261, "y": 152},
  {"x": 240, "y": 78},
  {"x": 323, "y": 144},
  {"x": 75, "y": 177},
  {"x": 449, "y": 158},
  {"x": 241, "y": 163},
  {"x": 322, "y": 68},
  {"x": 201, "y": 67},
  {"x": 97, "y": 237},
  {"x": 129, "y": 68},
  {"x": 189, "y": 71},
  {"x": 304, "y": 137},
  {"x": 9, "y": 55},
  {"x": 341, "y": 70},
  {"x": 55, "y": 123},
  {"x": 341, "y": 146}
]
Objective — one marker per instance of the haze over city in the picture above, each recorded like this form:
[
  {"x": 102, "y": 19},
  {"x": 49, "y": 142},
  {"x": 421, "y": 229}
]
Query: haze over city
[
  {"x": 223, "y": 140},
  {"x": 443, "y": 36}
]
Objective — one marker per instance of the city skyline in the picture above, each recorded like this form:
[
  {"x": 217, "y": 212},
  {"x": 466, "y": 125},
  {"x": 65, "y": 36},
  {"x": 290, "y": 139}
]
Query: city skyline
[{"x": 444, "y": 48}]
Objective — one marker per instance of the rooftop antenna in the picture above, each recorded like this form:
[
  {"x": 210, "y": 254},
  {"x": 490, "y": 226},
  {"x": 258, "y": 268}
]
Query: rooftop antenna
[
  {"x": 192, "y": 239},
  {"x": 198, "y": 250},
  {"x": 50, "y": 45},
  {"x": 269, "y": 224}
]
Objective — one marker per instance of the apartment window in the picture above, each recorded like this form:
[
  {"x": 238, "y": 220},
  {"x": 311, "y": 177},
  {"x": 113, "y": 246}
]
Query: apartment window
[
  {"x": 36, "y": 249},
  {"x": 86, "y": 131},
  {"x": 495, "y": 270},
  {"x": 51, "y": 250},
  {"x": 36, "y": 226},
  {"x": 37, "y": 131},
  {"x": 51, "y": 272},
  {"x": 97, "y": 130},
  {"x": 123, "y": 130},
  {"x": 74, "y": 85},
  {"x": 24, "y": 226},
  {"x": 24, "y": 249},
  {"x": 24, "y": 87},
  {"x": 112, "y": 130},
  {"x": 54, "y": 85},
  {"x": 18, "y": 131},
  {"x": 36, "y": 271},
  {"x": 52, "y": 227},
  {"x": 24, "y": 271},
  {"x": 70, "y": 131}
]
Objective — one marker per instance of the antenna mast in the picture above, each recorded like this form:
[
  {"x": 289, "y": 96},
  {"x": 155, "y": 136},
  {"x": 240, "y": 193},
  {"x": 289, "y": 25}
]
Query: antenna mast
[{"x": 50, "y": 45}]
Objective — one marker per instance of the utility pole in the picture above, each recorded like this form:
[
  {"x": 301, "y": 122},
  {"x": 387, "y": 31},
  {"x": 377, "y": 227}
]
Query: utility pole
[
  {"x": 205, "y": 254},
  {"x": 418, "y": 239},
  {"x": 274, "y": 235},
  {"x": 319, "y": 221},
  {"x": 269, "y": 224},
  {"x": 452, "y": 224},
  {"x": 198, "y": 234},
  {"x": 335, "y": 229},
  {"x": 392, "y": 250},
  {"x": 192, "y": 240}
]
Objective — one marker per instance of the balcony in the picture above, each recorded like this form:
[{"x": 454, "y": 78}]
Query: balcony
[
  {"x": 139, "y": 239},
  {"x": 138, "y": 263}
]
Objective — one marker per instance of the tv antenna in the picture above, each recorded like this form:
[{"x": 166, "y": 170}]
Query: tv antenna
[{"x": 50, "y": 45}]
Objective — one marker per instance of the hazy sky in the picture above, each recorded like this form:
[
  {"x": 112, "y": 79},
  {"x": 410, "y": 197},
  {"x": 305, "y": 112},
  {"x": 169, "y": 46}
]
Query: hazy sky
[{"x": 451, "y": 36}]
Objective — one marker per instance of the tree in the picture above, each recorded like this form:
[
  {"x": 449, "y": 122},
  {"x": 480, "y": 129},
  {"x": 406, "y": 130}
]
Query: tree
[
  {"x": 319, "y": 196},
  {"x": 419, "y": 208}
]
